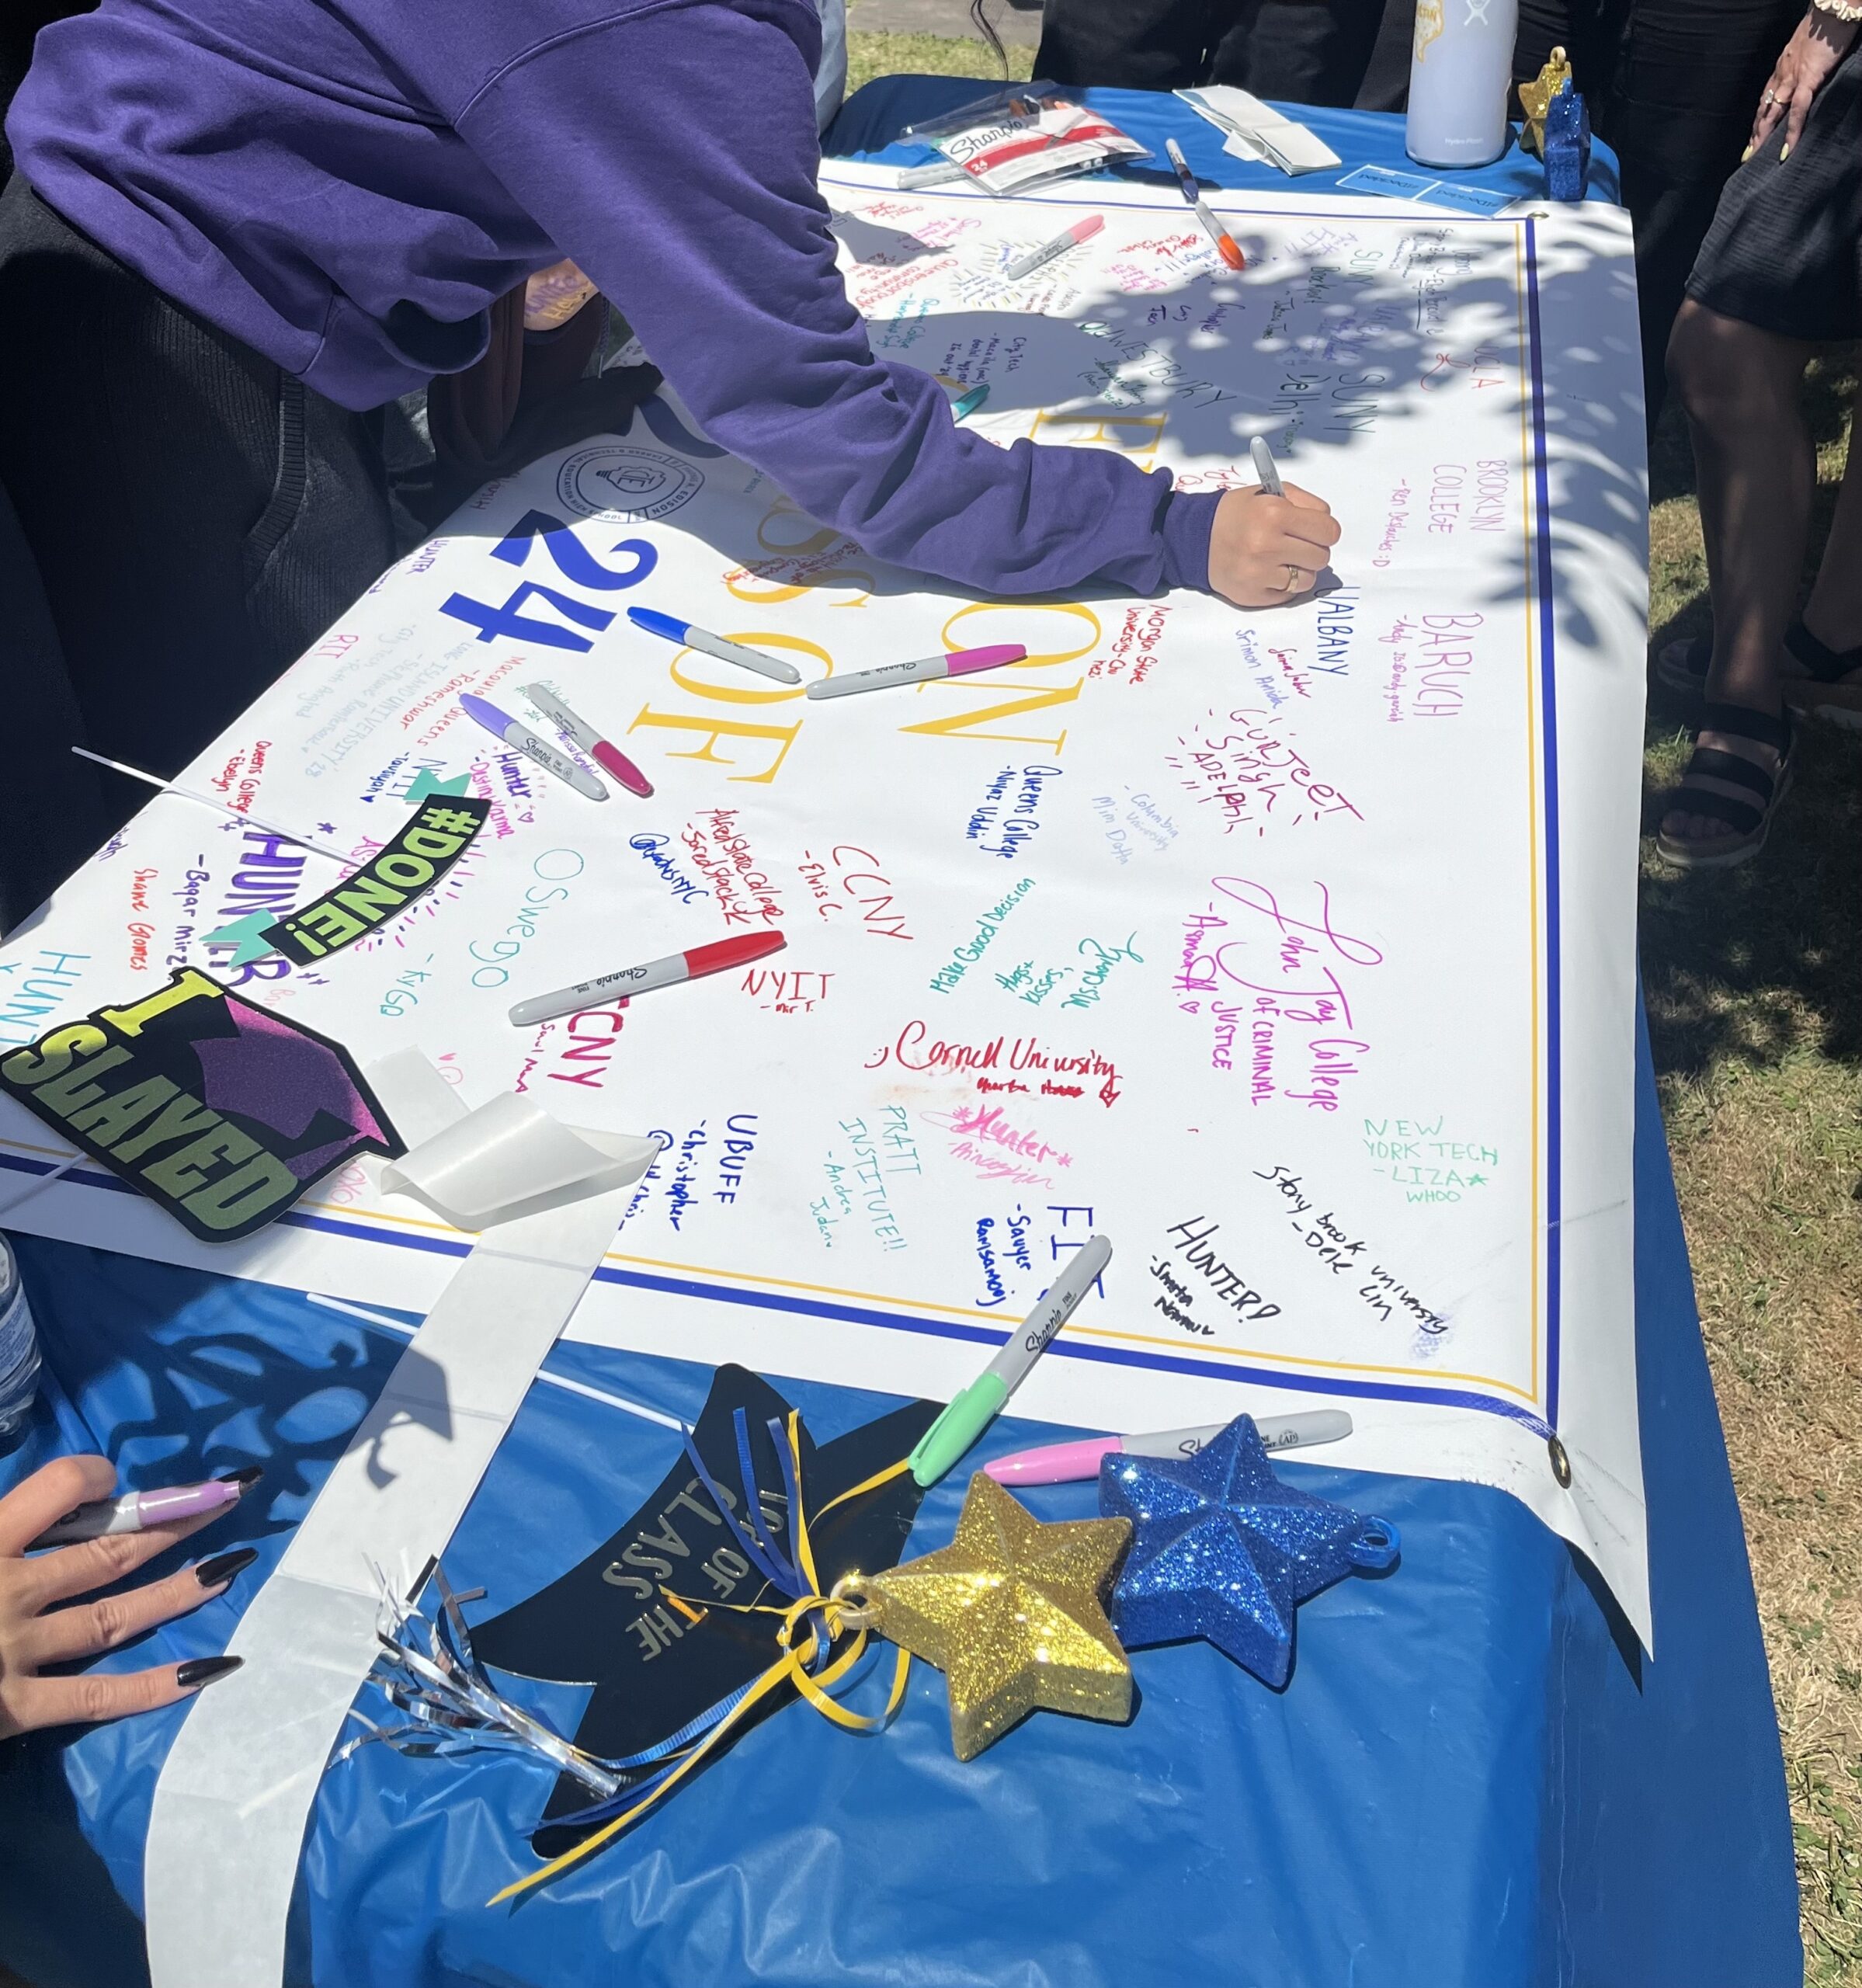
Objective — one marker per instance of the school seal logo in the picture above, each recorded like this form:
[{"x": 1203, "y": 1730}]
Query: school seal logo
[{"x": 620, "y": 482}]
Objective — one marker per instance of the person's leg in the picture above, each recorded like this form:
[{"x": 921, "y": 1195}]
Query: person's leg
[
  {"x": 197, "y": 519},
  {"x": 1300, "y": 51},
  {"x": 1385, "y": 83},
  {"x": 1741, "y": 388},
  {"x": 51, "y": 804},
  {"x": 1126, "y": 44},
  {"x": 1590, "y": 32},
  {"x": 1686, "y": 87},
  {"x": 1834, "y": 613}
]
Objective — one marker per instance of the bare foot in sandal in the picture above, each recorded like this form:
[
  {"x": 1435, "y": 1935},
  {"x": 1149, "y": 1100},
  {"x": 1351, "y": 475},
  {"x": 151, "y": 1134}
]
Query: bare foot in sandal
[{"x": 1740, "y": 772}]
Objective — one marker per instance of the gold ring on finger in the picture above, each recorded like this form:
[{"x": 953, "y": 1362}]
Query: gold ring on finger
[{"x": 1296, "y": 579}]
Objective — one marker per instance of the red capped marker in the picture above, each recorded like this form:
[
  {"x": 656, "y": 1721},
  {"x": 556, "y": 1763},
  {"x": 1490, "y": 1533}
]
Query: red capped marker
[{"x": 719, "y": 958}]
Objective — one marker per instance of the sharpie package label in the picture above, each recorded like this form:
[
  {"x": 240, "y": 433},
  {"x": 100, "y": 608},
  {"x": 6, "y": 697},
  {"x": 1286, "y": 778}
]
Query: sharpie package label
[
  {"x": 219, "y": 1112},
  {"x": 1035, "y": 139}
]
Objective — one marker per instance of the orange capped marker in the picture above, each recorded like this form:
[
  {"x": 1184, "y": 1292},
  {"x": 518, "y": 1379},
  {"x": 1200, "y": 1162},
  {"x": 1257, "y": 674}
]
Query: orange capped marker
[{"x": 1225, "y": 244}]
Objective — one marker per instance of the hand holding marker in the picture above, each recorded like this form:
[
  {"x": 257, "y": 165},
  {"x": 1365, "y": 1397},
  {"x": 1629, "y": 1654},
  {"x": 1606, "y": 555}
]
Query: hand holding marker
[
  {"x": 67, "y": 1506},
  {"x": 136, "y": 1511},
  {"x": 958, "y": 1427}
]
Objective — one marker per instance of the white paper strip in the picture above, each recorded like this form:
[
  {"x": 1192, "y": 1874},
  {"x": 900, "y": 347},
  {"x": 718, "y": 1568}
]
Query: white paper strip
[
  {"x": 235, "y": 1796},
  {"x": 466, "y": 1173}
]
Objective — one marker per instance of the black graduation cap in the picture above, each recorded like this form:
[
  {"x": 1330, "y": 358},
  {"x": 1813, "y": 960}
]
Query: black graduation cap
[{"x": 640, "y": 1620}]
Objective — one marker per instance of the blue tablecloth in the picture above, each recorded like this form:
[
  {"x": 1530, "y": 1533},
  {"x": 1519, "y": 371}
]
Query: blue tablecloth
[
  {"x": 1472, "y": 1781},
  {"x": 870, "y": 120}
]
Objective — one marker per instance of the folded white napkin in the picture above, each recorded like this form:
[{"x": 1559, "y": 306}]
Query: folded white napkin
[{"x": 1254, "y": 130}]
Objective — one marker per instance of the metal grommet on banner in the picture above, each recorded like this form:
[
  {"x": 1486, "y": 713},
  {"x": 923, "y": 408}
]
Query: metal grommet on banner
[{"x": 1561, "y": 1463}]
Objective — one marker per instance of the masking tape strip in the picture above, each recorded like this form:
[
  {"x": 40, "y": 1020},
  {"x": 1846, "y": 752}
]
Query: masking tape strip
[{"x": 236, "y": 1793}]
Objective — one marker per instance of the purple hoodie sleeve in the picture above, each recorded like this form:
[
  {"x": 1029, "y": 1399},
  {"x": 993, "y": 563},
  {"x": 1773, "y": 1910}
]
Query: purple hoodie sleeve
[{"x": 672, "y": 153}]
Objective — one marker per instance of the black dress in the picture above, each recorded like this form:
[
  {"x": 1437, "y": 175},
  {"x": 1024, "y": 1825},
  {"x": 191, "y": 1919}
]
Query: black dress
[{"x": 1785, "y": 250}]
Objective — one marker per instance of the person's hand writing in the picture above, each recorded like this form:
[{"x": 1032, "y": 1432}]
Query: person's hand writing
[
  {"x": 1265, "y": 550},
  {"x": 36, "y": 1630},
  {"x": 1810, "y": 57}
]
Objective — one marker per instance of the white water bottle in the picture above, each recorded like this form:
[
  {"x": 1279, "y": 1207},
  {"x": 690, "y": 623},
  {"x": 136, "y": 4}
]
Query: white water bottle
[
  {"x": 18, "y": 1348},
  {"x": 1461, "y": 77}
]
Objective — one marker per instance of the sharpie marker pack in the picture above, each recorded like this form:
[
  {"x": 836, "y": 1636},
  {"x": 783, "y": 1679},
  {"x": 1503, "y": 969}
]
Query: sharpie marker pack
[{"x": 1024, "y": 137}]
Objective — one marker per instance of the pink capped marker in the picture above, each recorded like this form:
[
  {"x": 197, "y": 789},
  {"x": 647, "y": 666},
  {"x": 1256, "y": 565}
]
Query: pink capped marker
[
  {"x": 610, "y": 758},
  {"x": 1070, "y": 1463},
  {"x": 1081, "y": 231},
  {"x": 927, "y": 669}
]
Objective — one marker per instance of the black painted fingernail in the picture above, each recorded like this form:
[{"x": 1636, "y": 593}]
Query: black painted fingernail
[
  {"x": 246, "y": 1478},
  {"x": 203, "y": 1670},
  {"x": 223, "y": 1566}
]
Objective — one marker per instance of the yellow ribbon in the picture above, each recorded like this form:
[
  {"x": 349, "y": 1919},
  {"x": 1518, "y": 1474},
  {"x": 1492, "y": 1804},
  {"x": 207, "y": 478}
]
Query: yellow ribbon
[{"x": 791, "y": 1667}]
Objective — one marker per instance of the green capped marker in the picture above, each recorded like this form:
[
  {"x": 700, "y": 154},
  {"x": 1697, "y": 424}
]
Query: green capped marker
[{"x": 980, "y": 1403}]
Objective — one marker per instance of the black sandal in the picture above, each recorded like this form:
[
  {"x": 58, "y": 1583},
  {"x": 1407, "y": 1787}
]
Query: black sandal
[
  {"x": 1683, "y": 666},
  {"x": 1749, "y": 820},
  {"x": 1821, "y": 692}
]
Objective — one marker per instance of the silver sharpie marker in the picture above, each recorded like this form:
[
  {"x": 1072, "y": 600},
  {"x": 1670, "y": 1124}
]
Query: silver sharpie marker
[
  {"x": 673, "y": 630},
  {"x": 516, "y": 733}
]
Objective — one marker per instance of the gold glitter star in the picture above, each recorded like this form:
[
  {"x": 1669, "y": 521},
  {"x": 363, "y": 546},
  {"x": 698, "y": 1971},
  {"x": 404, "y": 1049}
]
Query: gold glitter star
[
  {"x": 1535, "y": 99},
  {"x": 1011, "y": 1612}
]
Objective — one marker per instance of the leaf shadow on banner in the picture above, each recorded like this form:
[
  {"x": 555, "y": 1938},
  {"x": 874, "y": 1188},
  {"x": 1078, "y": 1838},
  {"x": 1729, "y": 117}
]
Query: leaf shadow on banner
[{"x": 1317, "y": 397}]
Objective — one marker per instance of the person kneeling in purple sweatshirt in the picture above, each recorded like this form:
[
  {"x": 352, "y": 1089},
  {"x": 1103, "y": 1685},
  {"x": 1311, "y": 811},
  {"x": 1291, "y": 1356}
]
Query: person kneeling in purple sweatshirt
[{"x": 237, "y": 229}]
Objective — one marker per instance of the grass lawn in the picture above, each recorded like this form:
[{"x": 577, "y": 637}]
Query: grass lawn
[
  {"x": 870, "y": 55},
  {"x": 1753, "y": 980},
  {"x": 1755, "y": 1011}
]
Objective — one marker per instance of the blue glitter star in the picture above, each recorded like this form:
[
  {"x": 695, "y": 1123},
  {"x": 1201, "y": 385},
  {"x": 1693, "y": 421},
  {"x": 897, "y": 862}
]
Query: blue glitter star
[{"x": 1221, "y": 1549}]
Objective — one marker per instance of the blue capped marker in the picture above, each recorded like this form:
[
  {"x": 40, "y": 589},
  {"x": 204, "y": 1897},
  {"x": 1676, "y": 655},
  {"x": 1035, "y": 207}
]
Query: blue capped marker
[{"x": 675, "y": 630}]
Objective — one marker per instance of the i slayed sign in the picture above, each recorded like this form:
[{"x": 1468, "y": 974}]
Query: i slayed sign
[{"x": 221, "y": 1113}]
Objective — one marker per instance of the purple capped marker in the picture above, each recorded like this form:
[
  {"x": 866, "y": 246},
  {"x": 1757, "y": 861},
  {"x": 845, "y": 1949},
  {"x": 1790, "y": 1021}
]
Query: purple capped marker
[
  {"x": 520, "y": 738},
  {"x": 136, "y": 1511}
]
